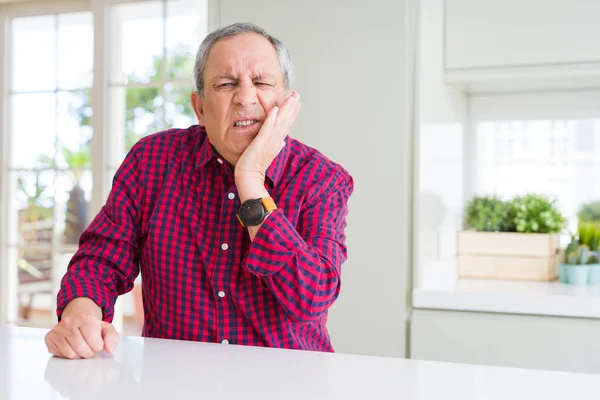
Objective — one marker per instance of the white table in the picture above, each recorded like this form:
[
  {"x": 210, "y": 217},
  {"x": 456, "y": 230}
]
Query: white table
[{"x": 165, "y": 369}]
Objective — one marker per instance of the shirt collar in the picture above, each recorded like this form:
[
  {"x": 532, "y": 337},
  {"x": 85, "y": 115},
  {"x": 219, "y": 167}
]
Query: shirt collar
[{"x": 206, "y": 152}]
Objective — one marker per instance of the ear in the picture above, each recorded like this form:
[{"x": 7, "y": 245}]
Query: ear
[{"x": 198, "y": 106}]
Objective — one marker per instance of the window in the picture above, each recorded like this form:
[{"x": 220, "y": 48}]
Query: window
[
  {"x": 49, "y": 165},
  {"x": 555, "y": 157},
  {"x": 59, "y": 169},
  {"x": 509, "y": 145},
  {"x": 153, "y": 46}
]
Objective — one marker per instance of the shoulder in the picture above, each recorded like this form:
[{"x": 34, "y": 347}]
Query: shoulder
[
  {"x": 315, "y": 174},
  {"x": 313, "y": 161},
  {"x": 165, "y": 143}
]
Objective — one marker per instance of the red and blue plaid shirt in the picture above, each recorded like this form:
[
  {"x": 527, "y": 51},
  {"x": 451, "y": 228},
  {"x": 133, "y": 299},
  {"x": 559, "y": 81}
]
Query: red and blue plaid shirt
[{"x": 171, "y": 215}]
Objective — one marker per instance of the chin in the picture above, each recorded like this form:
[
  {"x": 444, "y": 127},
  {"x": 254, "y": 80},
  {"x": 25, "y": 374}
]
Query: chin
[{"x": 239, "y": 148}]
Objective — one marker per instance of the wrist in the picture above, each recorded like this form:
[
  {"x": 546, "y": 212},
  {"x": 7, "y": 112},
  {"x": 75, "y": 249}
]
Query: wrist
[
  {"x": 248, "y": 190},
  {"x": 83, "y": 305}
]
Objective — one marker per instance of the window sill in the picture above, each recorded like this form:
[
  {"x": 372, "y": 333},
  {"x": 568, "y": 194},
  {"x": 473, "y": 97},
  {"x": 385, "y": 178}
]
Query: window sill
[{"x": 441, "y": 289}]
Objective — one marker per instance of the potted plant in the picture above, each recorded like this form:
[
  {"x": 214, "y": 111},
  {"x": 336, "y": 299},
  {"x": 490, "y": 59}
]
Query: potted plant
[
  {"x": 594, "y": 264},
  {"x": 578, "y": 265},
  {"x": 512, "y": 239},
  {"x": 486, "y": 214},
  {"x": 588, "y": 232}
]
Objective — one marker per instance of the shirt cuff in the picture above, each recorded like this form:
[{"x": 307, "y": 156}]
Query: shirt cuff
[
  {"x": 90, "y": 288},
  {"x": 275, "y": 243}
]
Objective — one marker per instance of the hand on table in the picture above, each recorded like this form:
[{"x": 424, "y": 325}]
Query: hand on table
[{"x": 81, "y": 333}]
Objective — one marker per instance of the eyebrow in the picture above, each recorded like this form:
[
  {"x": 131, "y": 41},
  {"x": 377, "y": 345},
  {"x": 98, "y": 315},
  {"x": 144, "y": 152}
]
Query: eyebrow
[
  {"x": 233, "y": 78},
  {"x": 261, "y": 76}
]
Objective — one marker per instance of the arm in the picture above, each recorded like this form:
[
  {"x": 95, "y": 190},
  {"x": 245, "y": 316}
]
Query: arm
[
  {"x": 302, "y": 266},
  {"x": 106, "y": 263}
]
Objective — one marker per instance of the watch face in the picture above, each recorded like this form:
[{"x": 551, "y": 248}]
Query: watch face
[{"x": 252, "y": 212}]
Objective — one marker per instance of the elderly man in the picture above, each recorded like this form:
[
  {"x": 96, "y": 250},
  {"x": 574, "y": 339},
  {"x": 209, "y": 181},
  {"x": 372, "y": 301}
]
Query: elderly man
[{"x": 237, "y": 229}]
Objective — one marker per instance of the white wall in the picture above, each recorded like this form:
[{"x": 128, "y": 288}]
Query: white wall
[{"x": 352, "y": 72}]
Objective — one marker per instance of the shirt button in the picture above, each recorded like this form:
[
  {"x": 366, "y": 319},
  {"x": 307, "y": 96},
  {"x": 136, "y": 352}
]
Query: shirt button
[
  {"x": 219, "y": 161},
  {"x": 224, "y": 246},
  {"x": 221, "y": 294},
  {"x": 231, "y": 196},
  {"x": 225, "y": 341}
]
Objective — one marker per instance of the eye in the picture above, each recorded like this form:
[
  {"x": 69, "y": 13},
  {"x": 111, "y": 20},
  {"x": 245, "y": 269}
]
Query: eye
[
  {"x": 225, "y": 85},
  {"x": 262, "y": 84}
]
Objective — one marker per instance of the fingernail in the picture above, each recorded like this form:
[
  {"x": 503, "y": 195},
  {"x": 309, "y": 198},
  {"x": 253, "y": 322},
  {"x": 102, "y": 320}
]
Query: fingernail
[{"x": 276, "y": 109}]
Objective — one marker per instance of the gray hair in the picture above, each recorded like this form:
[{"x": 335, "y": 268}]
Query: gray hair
[{"x": 285, "y": 61}]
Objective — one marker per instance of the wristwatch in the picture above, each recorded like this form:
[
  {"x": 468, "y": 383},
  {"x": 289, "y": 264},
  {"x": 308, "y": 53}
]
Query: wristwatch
[{"x": 253, "y": 212}]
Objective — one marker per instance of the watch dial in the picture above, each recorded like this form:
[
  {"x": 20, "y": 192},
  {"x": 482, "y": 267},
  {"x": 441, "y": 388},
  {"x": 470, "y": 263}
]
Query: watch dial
[{"x": 251, "y": 212}]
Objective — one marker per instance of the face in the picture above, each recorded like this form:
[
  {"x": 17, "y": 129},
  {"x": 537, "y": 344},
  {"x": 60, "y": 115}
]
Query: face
[{"x": 242, "y": 82}]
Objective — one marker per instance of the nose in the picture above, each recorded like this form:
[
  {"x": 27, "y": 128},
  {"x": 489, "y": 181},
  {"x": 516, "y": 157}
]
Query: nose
[{"x": 245, "y": 95}]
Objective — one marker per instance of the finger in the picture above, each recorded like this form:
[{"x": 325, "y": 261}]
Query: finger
[
  {"x": 294, "y": 96},
  {"x": 267, "y": 127},
  {"x": 272, "y": 116},
  {"x": 289, "y": 108},
  {"x": 110, "y": 337},
  {"x": 78, "y": 343},
  {"x": 64, "y": 347},
  {"x": 51, "y": 345},
  {"x": 92, "y": 334}
]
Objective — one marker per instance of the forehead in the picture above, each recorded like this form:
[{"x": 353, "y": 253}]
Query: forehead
[{"x": 247, "y": 52}]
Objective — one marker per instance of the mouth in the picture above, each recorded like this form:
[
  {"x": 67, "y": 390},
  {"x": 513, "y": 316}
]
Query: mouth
[{"x": 245, "y": 123}]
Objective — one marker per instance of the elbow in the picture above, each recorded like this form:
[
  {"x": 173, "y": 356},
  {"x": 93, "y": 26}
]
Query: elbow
[{"x": 310, "y": 311}]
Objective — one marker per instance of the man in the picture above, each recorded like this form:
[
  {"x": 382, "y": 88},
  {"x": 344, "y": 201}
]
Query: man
[{"x": 237, "y": 229}]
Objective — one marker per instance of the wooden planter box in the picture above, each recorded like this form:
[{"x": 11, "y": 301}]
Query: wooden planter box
[{"x": 502, "y": 255}]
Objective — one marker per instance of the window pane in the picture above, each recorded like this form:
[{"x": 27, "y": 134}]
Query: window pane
[
  {"x": 74, "y": 130},
  {"x": 545, "y": 156},
  {"x": 178, "y": 109},
  {"x": 73, "y": 194},
  {"x": 35, "y": 265},
  {"x": 137, "y": 42},
  {"x": 134, "y": 113},
  {"x": 144, "y": 114},
  {"x": 585, "y": 140},
  {"x": 75, "y": 50},
  {"x": 34, "y": 49},
  {"x": 116, "y": 126},
  {"x": 186, "y": 27},
  {"x": 33, "y": 145},
  {"x": 32, "y": 204},
  {"x": 35, "y": 272}
]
